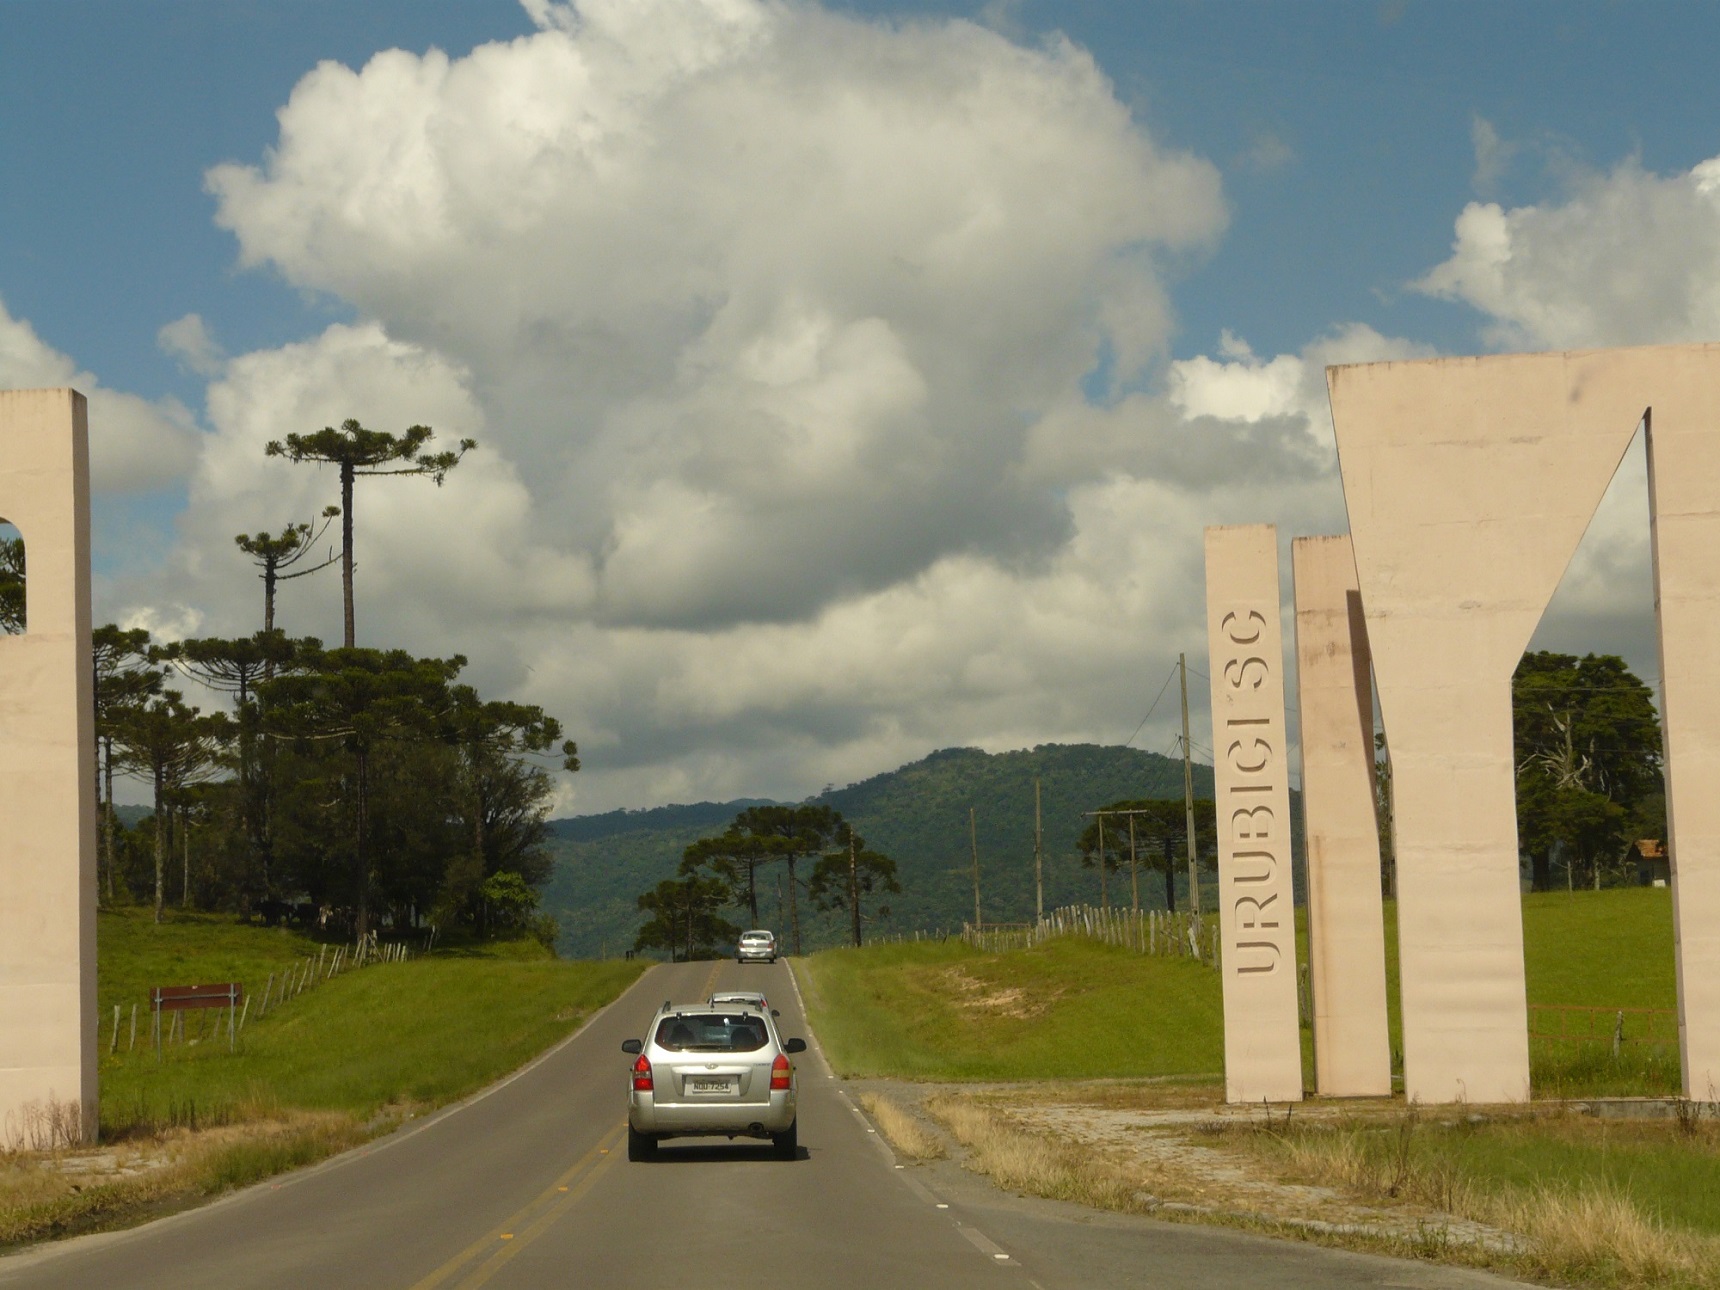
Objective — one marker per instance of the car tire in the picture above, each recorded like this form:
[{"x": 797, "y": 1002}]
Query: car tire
[
  {"x": 787, "y": 1143},
  {"x": 640, "y": 1146}
]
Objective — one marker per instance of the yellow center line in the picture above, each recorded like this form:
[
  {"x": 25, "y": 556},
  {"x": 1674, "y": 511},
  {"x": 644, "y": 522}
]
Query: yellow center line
[
  {"x": 508, "y": 1229},
  {"x": 711, "y": 981},
  {"x": 494, "y": 1264}
]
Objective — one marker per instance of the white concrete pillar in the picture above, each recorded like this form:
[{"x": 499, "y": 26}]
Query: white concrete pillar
[
  {"x": 1256, "y": 901},
  {"x": 47, "y": 777},
  {"x": 1346, "y": 927},
  {"x": 1469, "y": 483}
]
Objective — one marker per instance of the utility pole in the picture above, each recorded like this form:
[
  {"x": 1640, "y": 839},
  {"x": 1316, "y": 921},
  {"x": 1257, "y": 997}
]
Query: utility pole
[
  {"x": 973, "y": 840},
  {"x": 853, "y": 887},
  {"x": 1038, "y": 858},
  {"x": 1104, "y": 892},
  {"x": 1134, "y": 872},
  {"x": 1188, "y": 794}
]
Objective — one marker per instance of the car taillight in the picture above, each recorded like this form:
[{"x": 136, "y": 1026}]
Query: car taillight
[
  {"x": 780, "y": 1073},
  {"x": 642, "y": 1075}
]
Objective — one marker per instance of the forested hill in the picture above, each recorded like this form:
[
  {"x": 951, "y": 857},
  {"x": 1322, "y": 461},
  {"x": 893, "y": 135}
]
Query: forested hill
[{"x": 918, "y": 815}]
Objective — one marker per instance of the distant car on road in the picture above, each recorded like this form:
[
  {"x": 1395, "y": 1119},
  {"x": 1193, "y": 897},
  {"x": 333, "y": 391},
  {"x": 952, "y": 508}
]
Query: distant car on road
[
  {"x": 755, "y": 946},
  {"x": 709, "y": 1071},
  {"x": 726, "y": 998}
]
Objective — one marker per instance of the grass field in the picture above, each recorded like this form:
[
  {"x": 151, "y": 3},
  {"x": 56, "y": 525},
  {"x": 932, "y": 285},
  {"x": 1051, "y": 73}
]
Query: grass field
[
  {"x": 1072, "y": 1008},
  {"x": 347, "y": 1058}
]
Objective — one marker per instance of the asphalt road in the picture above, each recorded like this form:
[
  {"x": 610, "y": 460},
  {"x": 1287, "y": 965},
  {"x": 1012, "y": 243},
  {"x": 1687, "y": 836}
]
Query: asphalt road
[{"x": 528, "y": 1185}]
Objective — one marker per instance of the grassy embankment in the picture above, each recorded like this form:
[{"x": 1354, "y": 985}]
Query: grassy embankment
[
  {"x": 347, "y": 1059},
  {"x": 1594, "y": 1201}
]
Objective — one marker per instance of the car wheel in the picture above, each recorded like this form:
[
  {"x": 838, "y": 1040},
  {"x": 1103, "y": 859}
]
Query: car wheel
[
  {"x": 640, "y": 1146},
  {"x": 787, "y": 1143}
]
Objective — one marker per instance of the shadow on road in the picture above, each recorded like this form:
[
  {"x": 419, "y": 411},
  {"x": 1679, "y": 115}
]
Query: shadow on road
[{"x": 715, "y": 1153}]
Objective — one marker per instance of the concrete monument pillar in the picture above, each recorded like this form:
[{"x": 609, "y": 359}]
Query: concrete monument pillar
[
  {"x": 1346, "y": 927},
  {"x": 1256, "y": 901},
  {"x": 47, "y": 781},
  {"x": 1469, "y": 484}
]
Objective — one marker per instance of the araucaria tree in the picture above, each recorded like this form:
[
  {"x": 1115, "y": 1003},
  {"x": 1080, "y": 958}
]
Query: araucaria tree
[
  {"x": 1159, "y": 829},
  {"x": 849, "y": 876},
  {"x": 758, "y": 835},
  {"x": 273, "y": 554},
  {"x": 355, "y": 451},
  {"x": 175, "y": 746},
  {"x": 125, "y": 676},
  {"x": 360, "y": 701},
  {"x": 684, "y": 918}
]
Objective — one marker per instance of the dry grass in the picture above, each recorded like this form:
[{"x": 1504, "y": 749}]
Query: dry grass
[
  {"x": 903, "y": 1128},
  {"x": 1587, "y": 1235},
  {"x": 1035, "y": 1164},
  {"x": 62, "y": 1192}
]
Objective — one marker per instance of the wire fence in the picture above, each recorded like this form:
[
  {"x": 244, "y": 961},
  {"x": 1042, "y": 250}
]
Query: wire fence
[
  {"x": 1577, "y": 1024},
  {"x": 1146, "y": 931},
  {"x": 281, "y": 988}
]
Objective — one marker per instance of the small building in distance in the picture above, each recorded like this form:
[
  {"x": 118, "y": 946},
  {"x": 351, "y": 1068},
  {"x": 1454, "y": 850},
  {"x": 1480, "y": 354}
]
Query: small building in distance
[{"x": 1653, "y": 865}]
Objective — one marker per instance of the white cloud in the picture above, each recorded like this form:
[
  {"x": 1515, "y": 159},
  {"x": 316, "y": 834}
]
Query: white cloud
[
  {"x": 135, "y": 445},
  {"x": 773, "y": 325},
  {"x": 1627, "y": 258},
  {"x": 188, "y": 340}
]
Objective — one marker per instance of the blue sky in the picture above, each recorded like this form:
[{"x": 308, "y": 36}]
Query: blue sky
[{"x": 1334, "y": 147}]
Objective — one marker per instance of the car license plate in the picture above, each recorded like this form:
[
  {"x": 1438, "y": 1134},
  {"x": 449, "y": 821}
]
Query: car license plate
[{"x": 710, "y": 1086}]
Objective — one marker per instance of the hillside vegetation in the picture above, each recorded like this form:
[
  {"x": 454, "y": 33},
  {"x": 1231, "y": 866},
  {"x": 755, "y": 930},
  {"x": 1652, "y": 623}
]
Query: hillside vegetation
[{"x": 917, "y": 815}]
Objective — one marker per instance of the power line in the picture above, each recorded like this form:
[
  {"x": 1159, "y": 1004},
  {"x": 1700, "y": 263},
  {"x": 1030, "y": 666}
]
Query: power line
[{"x": 1153, "y": 709}]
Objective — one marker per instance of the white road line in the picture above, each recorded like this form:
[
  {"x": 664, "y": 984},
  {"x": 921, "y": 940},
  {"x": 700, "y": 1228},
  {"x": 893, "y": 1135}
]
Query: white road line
[{"x": 984, "y": 1244}]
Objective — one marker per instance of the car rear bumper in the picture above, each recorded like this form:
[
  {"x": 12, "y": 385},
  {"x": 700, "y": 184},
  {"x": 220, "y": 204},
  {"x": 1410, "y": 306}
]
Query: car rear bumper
[
  {"x": 760, "y": 955},
  {"x": 699, "y": 1119}
]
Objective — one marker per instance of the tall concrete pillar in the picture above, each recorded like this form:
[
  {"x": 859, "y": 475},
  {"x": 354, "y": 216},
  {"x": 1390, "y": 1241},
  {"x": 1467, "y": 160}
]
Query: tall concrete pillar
[
  {"x": 1346, "y": 927},
  {"x": 1682, "y": 385},
  {"x": 47, "y": 781},
  {"x": 1469, "y": 483},
  {"x": 1256, "y": 901}
]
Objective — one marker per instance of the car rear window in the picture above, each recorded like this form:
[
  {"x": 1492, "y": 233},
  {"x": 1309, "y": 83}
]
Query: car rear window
[
  {"x": 712, "y": 1032},
  {"x": 755, "y": 936}
]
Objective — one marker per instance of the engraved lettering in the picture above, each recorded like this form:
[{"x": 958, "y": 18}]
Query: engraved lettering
[
  {"x": 1248, "y": 721},
  {"x": 1254, "y": 829},
  {"x": 1237, "y": 672},
  {"x": 1262, "y": 749},
  {"x": 1254, "y": 617},
  {"x": 1255, "y": 920},
  {"x": 1265, "y": 859},
  {"x": 1254, "y": 957}
]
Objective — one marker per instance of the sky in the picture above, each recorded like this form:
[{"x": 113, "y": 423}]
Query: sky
[{"x": 850, "y": 380}]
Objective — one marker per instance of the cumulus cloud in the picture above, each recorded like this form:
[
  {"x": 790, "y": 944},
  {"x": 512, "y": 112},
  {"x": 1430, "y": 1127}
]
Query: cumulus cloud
[
  {"x": 765, "y": 300},
  {"x": 135, "y": 445},
  {"x": 1627, "y": 258},
  {"x": 188, "y": 340},
  {"x": 776, "y": 327}
]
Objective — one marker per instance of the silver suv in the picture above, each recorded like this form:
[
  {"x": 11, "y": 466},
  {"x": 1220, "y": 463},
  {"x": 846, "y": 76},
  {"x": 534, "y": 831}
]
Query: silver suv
[
  {"x": 707, "y": 1071},
  {"x": 756, "y": 946}
]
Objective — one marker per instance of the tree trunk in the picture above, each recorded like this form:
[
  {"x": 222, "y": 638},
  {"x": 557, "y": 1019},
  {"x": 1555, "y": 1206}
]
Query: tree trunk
[
  {"x": 346, "y": 548},
  {"x": 854, "y": 889},
  {"x": 1170, "y": 878},
  {"x": 1541, "y": 869},
  {"x": 185, "y": 873},
  {"x": 268, "y": 602},
  {"x": 752, "y": 892},
  {"x": 108, "y": 817},
  {"x": 793, "y": 906},
  {"x": 160, "y": 843},
  {"x": 360, "y": 861}
]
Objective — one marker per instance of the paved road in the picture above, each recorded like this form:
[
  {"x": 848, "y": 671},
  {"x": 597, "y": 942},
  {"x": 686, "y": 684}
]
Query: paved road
[{"x": 528, "y": 1185}]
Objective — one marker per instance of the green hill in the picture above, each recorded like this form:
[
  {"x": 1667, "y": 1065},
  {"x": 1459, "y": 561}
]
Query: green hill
[{"x": 917, "y": 814}]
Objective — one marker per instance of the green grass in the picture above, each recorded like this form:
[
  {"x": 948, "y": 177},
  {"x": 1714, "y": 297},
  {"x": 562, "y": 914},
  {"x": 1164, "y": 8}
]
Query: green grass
[
  {"x": 1070, "y": 1008},
  {"x": 888, "y": 1010},
  {"x": 422, "y": 1032}
]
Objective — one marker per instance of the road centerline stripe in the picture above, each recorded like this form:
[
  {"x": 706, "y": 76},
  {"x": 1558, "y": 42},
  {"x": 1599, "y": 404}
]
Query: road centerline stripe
[{"x": 509, "y": 1228}]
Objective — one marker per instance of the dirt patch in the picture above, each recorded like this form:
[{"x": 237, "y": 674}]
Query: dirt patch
[{"x": 970, "y": 994}]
